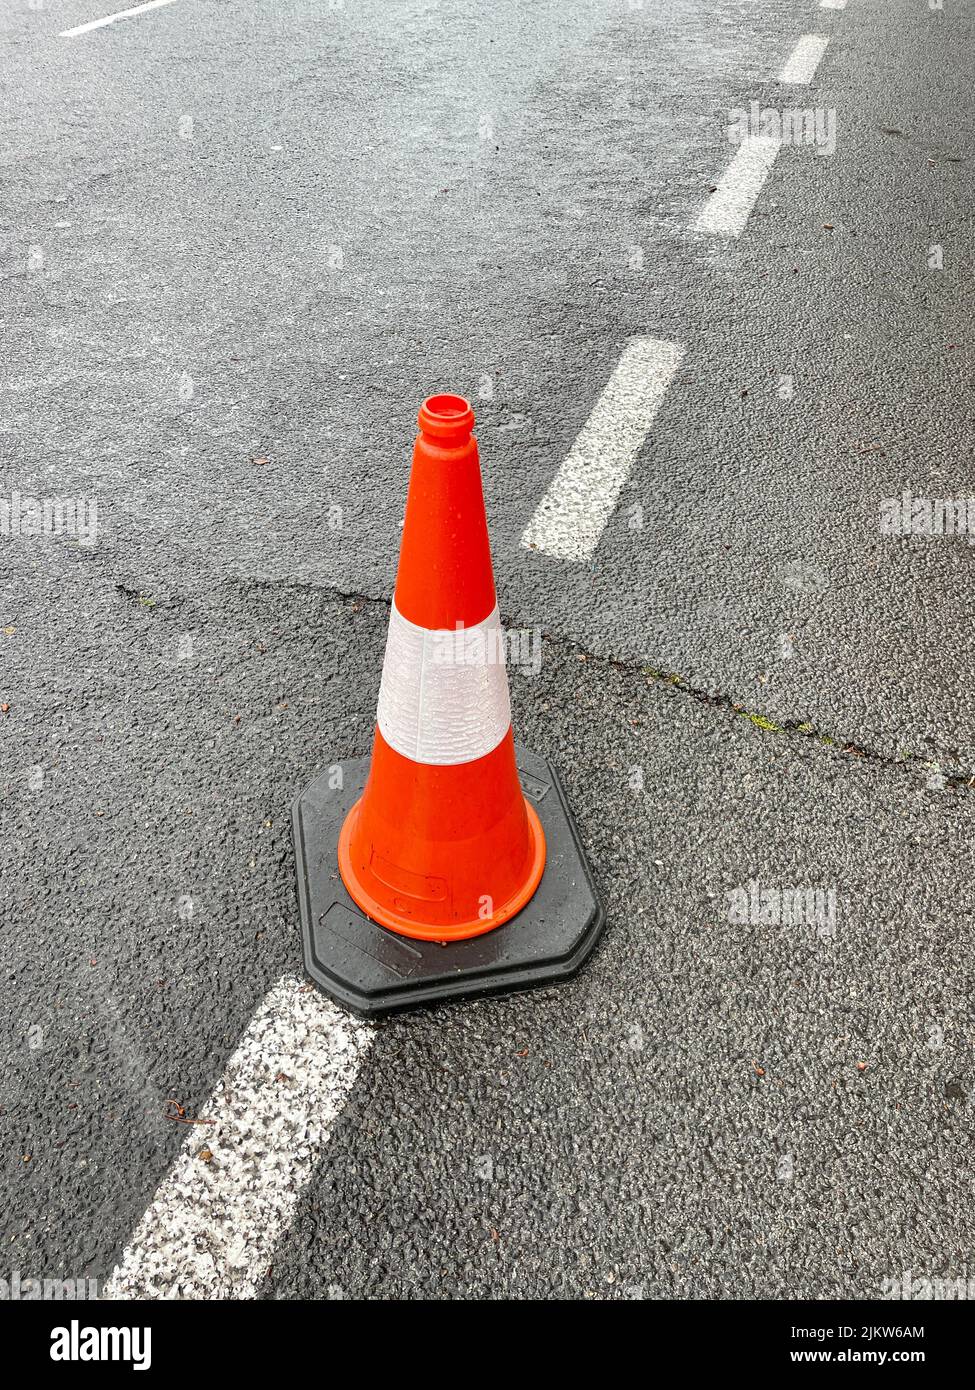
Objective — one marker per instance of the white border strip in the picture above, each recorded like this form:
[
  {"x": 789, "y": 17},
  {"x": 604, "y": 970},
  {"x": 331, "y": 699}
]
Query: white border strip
[
  {"x": 443, "y": 698},
  {"x": 804, "y": 60},
  {"x": 214, "y": 1222},
  {"x": 111, "y": 18},
  {"x": 727, "y": 210},
  {"x": 571, "y": 517}
]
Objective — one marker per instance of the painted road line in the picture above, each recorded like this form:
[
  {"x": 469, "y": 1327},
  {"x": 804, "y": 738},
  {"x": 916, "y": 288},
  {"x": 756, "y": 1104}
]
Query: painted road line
[
  {"x": 726, "y": 211},
  {"x": 111, "y": 18},
  {"x": 832, "y": 4},
  {"x": 572, "y": 515},
  {"x": 804, "y": 60},
  {"x": 213, "y": 1224}
]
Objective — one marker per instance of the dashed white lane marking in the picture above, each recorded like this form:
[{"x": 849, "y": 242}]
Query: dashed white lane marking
[
  {"x": 572, "y": 515},
  {"x": 211, "y": 1229},
  {"x": 832, "y": 4},
  {"x": 726, "y": 211},
  {"x": 804, "y": 60},
  {"x": 111, "y": 18}
]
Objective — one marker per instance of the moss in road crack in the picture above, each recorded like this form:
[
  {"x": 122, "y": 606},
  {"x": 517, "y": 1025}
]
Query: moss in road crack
[{"x": 805, "y": 727}]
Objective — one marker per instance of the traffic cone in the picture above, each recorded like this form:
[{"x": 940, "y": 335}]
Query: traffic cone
[
  {"x": 448, "y": 865},
  {"x": 443, "y": 844}
]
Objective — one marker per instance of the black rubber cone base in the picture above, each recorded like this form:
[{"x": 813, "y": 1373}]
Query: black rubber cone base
[{"x": 374, "y": 971}]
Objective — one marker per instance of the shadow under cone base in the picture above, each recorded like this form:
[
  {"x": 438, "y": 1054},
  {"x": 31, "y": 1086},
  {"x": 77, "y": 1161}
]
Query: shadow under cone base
[{"x": 375, "y": 971}]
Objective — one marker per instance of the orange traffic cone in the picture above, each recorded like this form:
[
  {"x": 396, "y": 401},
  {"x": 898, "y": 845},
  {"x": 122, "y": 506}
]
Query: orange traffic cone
[
  {"x": 443, "y": 845},
  {"x": 447, "y": 866}
]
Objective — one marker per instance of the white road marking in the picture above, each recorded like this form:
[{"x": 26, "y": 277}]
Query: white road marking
[
  {"x": 572, "y": 515},
  {"x": 804, "y": 60},
  {"x": 111, "y": 18},
  {"x": 212, "y": 1227},
  {"x": 832, "y": 4},
  {"x": 726, "y": 211}
]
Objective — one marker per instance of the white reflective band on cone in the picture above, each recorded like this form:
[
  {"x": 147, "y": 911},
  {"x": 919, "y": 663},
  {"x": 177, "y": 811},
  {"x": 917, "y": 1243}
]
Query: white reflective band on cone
[{"x": 444, "y": 695}]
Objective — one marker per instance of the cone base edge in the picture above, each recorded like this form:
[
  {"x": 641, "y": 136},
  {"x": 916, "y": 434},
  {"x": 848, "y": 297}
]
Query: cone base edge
[{"x": 375, "y": 971}]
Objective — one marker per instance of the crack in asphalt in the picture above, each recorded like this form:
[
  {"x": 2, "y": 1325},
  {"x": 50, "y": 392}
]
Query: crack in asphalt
[
  {"x": 905, "y": 761},
  {"x": 804, "y": 728}
]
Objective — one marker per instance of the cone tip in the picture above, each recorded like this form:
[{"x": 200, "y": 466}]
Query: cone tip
[{"x": 448, "y": 419}]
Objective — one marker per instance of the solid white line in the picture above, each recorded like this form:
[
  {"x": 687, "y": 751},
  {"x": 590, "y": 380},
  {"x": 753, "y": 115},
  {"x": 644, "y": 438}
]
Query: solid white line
[
  {"x": 726, "y": 211},
  {"x": 832, "y": 4},
  {"x": 111, "y": 18},
  {"x": 211, "y": 1229},
  {"x": 804, "y": 60},
  {"x": 572, "y": 515}
]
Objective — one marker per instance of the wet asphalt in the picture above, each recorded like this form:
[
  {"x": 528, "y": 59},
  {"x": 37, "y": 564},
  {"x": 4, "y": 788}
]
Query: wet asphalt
[{"x": 240, "y": 246}]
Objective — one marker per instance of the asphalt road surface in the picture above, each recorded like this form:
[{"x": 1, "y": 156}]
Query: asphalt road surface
[{"x": 241, "y": 242}]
